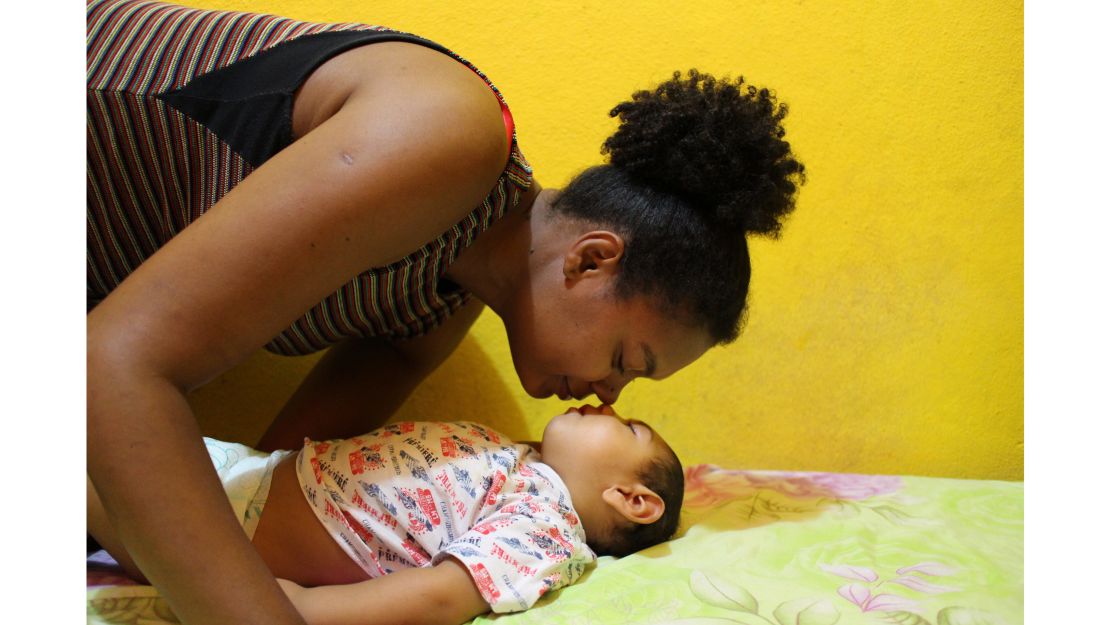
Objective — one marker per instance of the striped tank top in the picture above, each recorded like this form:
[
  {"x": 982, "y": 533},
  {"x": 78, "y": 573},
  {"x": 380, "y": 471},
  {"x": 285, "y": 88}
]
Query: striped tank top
[{"x": 184, "y": 103}]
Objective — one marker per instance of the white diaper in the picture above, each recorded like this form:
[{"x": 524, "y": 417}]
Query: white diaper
[{"x": 245, "y": 474}]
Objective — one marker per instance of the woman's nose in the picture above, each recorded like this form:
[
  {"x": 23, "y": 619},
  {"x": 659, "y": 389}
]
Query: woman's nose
[{"x": 609, "y": 390}]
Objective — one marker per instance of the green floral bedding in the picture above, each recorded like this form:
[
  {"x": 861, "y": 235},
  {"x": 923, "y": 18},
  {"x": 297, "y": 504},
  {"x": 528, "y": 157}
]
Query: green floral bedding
[{"x": 773, "y": 548}]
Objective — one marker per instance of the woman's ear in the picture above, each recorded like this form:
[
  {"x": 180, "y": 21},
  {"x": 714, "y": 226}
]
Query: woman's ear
[
  {"x": 637, "y": 503},
  {"x": 593, "y": 254}
]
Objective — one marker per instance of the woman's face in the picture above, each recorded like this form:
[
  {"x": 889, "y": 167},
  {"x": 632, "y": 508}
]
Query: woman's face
[{"x": 580, "y": 340}]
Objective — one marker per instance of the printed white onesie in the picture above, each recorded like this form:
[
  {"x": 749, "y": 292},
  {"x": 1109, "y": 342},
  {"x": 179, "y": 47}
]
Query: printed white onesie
[{"x": 411, "y": 494}]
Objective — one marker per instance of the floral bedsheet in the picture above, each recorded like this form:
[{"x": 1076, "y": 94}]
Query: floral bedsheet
[{"x": 776, "y": 548}]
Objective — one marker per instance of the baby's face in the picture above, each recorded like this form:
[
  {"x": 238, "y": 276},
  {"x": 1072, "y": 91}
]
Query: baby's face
[{"x": 596, "y": 440}]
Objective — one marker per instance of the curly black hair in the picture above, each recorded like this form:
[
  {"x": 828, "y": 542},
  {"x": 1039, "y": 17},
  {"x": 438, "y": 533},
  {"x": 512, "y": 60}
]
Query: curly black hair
[
  {"x": 665, "y": 476},
  {"x": 695, "y": 166}
]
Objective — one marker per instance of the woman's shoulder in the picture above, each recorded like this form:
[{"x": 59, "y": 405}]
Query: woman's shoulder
[
  {"x": 399, "y": 128},
  {"x": 448, "y": 97}
]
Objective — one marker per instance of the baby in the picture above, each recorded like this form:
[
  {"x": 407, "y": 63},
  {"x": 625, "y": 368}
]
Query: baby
[{"x": 441, "y": 522}]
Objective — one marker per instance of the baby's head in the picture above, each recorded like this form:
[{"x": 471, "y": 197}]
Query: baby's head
[{"x": 625, "y": 481}]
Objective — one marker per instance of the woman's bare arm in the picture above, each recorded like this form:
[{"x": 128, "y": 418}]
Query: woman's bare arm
[
  {"x": 444, "y": 594},
  {"x": 359, "y": 384},
  {"x": 393, "y": 167}
]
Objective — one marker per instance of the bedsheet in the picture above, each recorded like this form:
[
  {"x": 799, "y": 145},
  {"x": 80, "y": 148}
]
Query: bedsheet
[{"x": 773, "y": 548}]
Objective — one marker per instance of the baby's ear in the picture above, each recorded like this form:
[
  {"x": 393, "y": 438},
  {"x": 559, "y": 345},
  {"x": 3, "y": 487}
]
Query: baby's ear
[{"x": 637, "y": 503}]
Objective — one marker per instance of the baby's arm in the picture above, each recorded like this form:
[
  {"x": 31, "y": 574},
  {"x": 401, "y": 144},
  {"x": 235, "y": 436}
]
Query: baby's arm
[{"x": 444, "y": 594}]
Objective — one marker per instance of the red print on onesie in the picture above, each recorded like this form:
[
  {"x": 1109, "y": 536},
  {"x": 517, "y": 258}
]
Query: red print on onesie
[
  {"x": 316, "y": 470},
  {"x": 448, "y": 448},
  {"x": 366, "y": 459},
  {"x": 427, "y": 505},
  {"x": 484, "y": 582},
  {"x": 495, "y": 488}
]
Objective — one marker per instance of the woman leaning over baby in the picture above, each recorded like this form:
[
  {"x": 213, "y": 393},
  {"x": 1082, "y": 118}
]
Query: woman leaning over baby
[{"x": 386, "y": 204}]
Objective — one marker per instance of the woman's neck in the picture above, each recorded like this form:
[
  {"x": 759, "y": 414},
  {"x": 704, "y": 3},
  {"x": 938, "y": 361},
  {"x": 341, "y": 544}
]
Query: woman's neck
[{"x": 496, "y": 264}]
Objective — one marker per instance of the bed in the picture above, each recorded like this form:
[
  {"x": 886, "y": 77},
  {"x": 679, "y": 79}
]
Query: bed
[{"x": 771, "y": 548}]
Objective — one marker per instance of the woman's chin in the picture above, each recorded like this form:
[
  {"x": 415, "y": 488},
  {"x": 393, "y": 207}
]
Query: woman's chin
[
  {"x": 538, "y": 389},
  {"x": 544, "y": 386}
]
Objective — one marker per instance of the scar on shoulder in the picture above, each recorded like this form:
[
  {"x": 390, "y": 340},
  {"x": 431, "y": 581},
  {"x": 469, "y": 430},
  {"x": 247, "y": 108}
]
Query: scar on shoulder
[{"x": 347, "y": 158}]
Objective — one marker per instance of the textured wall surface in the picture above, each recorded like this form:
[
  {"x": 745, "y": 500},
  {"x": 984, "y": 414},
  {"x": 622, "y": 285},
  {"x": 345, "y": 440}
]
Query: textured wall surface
[{"x": 886, "y": 326}]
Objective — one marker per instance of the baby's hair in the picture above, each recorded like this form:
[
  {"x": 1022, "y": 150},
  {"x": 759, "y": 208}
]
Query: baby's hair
[
  {"x": 696, "y": 165},
  {"x": 663, "y": 475}
]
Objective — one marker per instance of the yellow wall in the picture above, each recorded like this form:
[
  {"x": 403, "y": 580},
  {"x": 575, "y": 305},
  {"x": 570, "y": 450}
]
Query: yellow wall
[{"x": 886, "y": 327}]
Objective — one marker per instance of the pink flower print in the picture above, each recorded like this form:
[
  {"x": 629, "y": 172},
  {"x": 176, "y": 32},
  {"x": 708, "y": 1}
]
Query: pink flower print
[
  {"x": 862, "y": 597},
  {"x": 856, "y": 593},
  {"x": 920, "y": 585},
  {"x": 850, "y": 572},
  {"x": 892, "y": 603},
  {"x": 929, "y": 568},
  {"x": 854, "y": 486},
  {"x": 830, "y": 485},
  {"x": 707, "y": 485},
  {"x": 915, "y": 582}
]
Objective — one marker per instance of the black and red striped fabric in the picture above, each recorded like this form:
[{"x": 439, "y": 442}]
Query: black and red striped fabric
[{"x": 155, "y": 162}]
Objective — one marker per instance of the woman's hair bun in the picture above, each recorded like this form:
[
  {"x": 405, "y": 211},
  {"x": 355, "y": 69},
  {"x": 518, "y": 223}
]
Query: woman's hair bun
[{"x": 716, "y": 143}]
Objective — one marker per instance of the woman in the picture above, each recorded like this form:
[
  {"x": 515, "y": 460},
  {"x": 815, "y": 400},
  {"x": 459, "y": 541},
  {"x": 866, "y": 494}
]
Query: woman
[{"x": 360, "y": 188}]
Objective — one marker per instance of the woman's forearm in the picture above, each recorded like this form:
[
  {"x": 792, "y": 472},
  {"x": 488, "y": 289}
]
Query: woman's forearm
[
  {"x": 166, "y": 503},
  {"x": 359, "y": 384},
  {"x": 443, "y": 594},
  {"x": 354, "y": 388}
]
